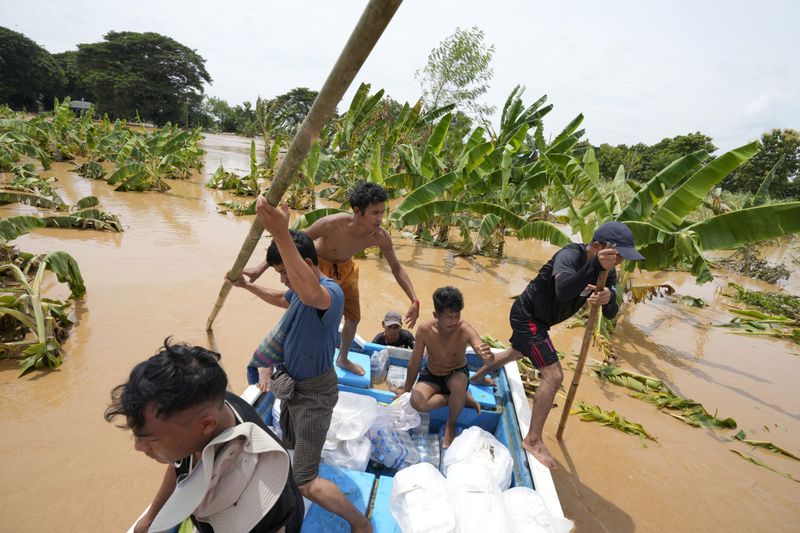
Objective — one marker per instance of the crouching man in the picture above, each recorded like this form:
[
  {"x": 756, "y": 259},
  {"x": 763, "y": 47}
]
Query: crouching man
[{"x": 225, "y": 468}]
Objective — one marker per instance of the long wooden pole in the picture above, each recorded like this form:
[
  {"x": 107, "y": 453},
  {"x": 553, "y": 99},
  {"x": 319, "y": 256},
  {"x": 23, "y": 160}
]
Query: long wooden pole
[
  {"x": 587, "y": 340},
  {"x": 365, "y": 35}
]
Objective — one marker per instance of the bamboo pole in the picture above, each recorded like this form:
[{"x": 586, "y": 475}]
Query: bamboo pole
[
  {"x": 365, "y": 35},
  {"x": 587, "y": 339}
]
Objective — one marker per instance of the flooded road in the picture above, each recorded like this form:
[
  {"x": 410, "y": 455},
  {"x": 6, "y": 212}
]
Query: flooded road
[{"x": 65, "y": 469}]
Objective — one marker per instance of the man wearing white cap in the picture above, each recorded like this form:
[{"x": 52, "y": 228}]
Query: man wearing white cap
[{"x": 226, "y": 469}]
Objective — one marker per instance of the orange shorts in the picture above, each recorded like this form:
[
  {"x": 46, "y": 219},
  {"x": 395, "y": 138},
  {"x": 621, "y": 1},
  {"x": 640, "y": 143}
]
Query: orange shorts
[{"x": 346, "y": 275}]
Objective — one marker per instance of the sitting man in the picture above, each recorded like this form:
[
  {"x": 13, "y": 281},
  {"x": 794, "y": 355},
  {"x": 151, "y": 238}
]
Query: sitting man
[
  {"x": 306, "y": 380},
  {"x": 181, "y": 415},
  {"x": 444, "y": 378},
  {"x": 393, "y": 334}
]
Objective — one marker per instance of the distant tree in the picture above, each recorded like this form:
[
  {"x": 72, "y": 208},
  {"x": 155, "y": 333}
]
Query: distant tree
[
  {"x": 29, "y": 76},
  {"x": 74, "y": 85},
  {"x": 775, "y": 144},
  {"x": 642, "y": 161},
  {"x": 145, "y": 73},
  {"x": 293, "y": 107},
  {"x": 458, "y": 72},
  {"x": 221, "y": 114}
]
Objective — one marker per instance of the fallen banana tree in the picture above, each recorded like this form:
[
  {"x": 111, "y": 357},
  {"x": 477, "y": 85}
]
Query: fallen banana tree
[
  {"x": 655, "y": 391},
  {"x": 594, "y": 413},
  {"x": 33, "y": 327}
]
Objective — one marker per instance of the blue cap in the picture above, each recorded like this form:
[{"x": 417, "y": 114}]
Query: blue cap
[{"x": 620, "y": 236}]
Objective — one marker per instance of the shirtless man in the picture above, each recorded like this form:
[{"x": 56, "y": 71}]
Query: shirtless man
[
  {"x": 338, "y": 238},
  {"x": 444, "y": 378}
]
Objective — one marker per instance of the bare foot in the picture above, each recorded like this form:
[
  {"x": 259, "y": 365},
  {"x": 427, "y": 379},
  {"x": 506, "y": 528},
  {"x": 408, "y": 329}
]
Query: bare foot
[
  {"x": 483, "y": 380},
  {"x": 350, "y": 366},
  {"x": 472, "y": 402},
  {"x": 449, "y": 435},
  {"x": 363, "y": 529},
  {"x": 540, "y": 451}
]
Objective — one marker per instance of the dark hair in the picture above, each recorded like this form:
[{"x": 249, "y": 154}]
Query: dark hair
[
  {"x": 179, "y": 376},
  {"x": 367, "y": 193},
  {"x": 447, "y": 299},
  {"x": 303, "y": 243}
]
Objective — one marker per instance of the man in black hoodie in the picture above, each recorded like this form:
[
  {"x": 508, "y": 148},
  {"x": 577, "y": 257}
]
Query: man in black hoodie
[{"x": 562, "y": 287}]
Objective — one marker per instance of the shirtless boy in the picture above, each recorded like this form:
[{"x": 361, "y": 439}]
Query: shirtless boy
[
  {"x": 338, "y": 238},
  {"x": 444, "y": 378}
]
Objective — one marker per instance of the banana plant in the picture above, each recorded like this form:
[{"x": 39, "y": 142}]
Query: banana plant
[
  {"x": 145, "y": 160},
  {"x": 491, "y": 189},
  {"x": 42, "y": 321}
]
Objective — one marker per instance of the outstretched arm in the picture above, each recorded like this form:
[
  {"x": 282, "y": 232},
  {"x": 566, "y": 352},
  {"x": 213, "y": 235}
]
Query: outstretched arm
[
  {"x": 164, "y": 492},
  {"x": 481, "y": 348},
  {"x": 271, "y": 296},
  {"x": 255, "y": 272},
  {"x": 304, "y": 280},
  {"x": 403, "y": 280}
]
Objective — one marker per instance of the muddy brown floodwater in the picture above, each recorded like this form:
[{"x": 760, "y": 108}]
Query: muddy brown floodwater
[{"x": 65, "y": 469}]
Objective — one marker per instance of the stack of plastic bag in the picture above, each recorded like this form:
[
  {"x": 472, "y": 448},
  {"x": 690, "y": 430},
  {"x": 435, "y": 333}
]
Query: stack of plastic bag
[
  {"x": 346, "y": 443},
  {"x": 392, "y": 421},
  {"x": 477, "y": 502},
  {"x": 420, "y": 502},
  {"x": 528, "y": 513},
  {"x": 476, "y": 446},
  {"x": 379, "y": 367}
]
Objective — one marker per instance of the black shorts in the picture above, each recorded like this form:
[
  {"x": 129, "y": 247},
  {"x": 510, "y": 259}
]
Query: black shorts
[
  {"x": 441, "y": 381},
  {"x": 530, "y": 338}
]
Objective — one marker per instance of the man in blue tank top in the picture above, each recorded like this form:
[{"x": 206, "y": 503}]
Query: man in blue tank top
[{"x": 306, "y": 380}]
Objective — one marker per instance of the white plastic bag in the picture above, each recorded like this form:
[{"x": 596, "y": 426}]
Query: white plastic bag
[
  {"x": 528, "y": 513},
  {"x": 379, "y": 367},
  {"x": 478, "y": 504},
  {"x": 478, "y": 446},
  {"x": 420, "y": 501},
  {"x": 396, "y": 376},
  {"x": 404, "y": 417},
  {"x": 353, "y": 454},
  {"x": 352, "y": 417},
  {"x": 276, "y": 418}
]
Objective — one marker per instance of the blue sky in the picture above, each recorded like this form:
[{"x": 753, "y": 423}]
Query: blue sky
[{"x": 638, "y": 71}]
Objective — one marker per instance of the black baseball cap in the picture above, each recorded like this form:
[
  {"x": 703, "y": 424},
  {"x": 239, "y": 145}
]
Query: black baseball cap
[{"x": 620, "y": 236}]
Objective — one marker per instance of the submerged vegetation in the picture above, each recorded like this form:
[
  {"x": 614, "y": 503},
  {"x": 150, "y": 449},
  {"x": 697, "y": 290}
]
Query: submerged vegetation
[{"x": 593, "y": 413}]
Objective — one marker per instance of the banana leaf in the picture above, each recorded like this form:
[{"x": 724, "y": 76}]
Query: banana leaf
[
  {"x": 741, "y": 436},
  {"x": 543, "y": 231},
  {"x": 761, "y": 463},
  {"x": 421, "y": 196},
  {"x": 594, "y": 413},
  {"x": 36, "y": 200},
  {"x": 67, "y": 271},
  {"x": 312, "y": 216},
  {"x": 648, "y": 196},
  {"x": 13, "y": 227},
  {"x": 762, "y": 194},
  {"x": 690, "y": 194},
  {"x": 755, "y": 224}
]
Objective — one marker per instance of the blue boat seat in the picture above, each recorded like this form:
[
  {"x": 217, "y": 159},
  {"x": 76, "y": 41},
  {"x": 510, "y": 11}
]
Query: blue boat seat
[
  {"x": 356, "y": 486},
  {"x": 346, "y": 377},
  {"x": 382, "y": 519}
]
